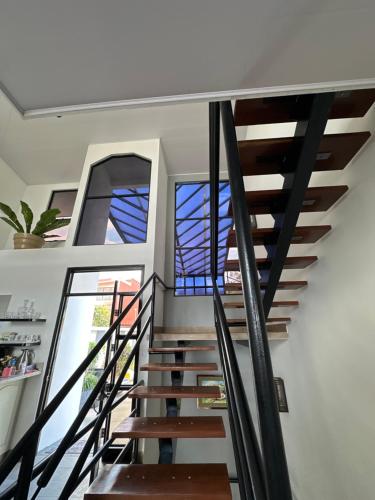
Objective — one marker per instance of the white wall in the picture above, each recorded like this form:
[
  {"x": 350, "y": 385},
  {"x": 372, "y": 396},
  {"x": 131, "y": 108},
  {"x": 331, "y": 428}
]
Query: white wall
[
  {"x": 328, "y": 361},
  {"x": 39, "y": 274},
  {"x": 38, "y": 197},
  {"x": 12, "y": 189}
]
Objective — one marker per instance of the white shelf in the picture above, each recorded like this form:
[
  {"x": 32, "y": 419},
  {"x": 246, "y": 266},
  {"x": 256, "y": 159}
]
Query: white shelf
[{"x": 16, "y": 378}]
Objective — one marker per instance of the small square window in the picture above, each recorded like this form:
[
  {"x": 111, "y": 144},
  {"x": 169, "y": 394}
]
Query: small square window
[{"x": 63, "y": 200}]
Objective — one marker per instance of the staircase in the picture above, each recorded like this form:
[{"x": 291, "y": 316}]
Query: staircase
[
  {"x": 262, "y": 157},
  {"x": 170, "y": 480},
  {"x": 250, "y": 287}
]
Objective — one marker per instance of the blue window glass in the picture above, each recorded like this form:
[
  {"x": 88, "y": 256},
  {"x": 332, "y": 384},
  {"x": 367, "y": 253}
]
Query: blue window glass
[{"x": 192, "y": 251}]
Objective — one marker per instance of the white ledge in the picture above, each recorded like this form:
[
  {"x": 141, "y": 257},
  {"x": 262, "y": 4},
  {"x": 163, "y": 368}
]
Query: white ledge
[{"x": 16, "y": 378}]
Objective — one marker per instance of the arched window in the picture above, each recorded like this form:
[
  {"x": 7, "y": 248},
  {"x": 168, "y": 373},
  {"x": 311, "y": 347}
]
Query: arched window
[{"x": 115, "y": 208}]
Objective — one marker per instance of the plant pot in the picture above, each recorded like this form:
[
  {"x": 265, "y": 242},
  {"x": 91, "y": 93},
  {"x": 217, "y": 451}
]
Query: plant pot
[{"x": 26, "y": 240}]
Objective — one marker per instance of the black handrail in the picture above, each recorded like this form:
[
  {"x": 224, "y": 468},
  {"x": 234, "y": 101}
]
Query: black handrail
[
  {"x": 72, "y": 482},
  {"x": 246, "y": 439},
  {"x": 245, "y": 444},
  {"x": 26, "y": 448},
  {"x": 276, "y": 469},
  {"x": 269, "y": 476}
]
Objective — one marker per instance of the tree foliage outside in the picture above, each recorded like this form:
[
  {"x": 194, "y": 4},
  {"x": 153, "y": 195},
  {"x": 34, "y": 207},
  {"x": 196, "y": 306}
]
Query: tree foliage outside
[{"x": 102, "y": 316}]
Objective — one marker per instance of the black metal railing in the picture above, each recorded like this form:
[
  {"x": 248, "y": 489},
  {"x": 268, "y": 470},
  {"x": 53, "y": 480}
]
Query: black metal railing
[
  {"x": 25, "y": 451},
  {"x": 262, "y": 474}
]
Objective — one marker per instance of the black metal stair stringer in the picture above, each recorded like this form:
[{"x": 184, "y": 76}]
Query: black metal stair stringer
[
  {"x": 167, "y": 446},
  {"x": 297, "y": 183}
]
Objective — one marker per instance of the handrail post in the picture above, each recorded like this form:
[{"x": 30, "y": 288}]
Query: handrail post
[
  {"x": 276, "y": 470},
  {"x": 26, "y": 470},
  {"x": 214, "y": 124},
  {"x": 151, "y": 333}
]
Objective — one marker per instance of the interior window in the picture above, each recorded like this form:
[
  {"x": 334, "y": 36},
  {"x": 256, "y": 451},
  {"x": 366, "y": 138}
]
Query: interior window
[
  {"x": 63, "y": 200},
  {"x": 192, "y": 230},
  {"x": 115, "y": 209}
]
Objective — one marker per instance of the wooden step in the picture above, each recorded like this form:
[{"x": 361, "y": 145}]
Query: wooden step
[
  {"x": 170, "y": 427},
  {"x": 178, "y": 367},
  {"x": 275, "y": 303},
  {"x": 166, "y": 391},
  {"x": 242, "y": 321},
  {"x": 274, "y": 201},
  {"x": 171, "y": 350},
  {"x": 169, "y": 482},
  {"x": 269, "y": 236},
  {"x": 264, "y": 263},
  {"x": 278, "y": 333},
  {"x": 280, "y": 155},
  {"x": 236, "y": 288},
  {"x": 283, "y": 319},
  {"x": 347, "y": 104}
]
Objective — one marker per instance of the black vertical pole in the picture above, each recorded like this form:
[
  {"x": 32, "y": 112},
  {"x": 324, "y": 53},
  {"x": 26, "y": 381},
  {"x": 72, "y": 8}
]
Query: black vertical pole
[
  {"x": 214, "y": 123},
  {"x": 26, "y": 470},
  {"x": 151, "y": 334},
  {"x": 277, "y": 477},
  {"x": 244, "y": 481}
]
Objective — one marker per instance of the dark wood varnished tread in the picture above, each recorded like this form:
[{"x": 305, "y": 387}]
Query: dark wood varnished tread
[
  {"x": 275, "y": 303},
  {"x": 193, "y": 348},
  {"x": 167, "y": 482},
  {"x": 274, "y": 201},
  {"x": 264, "y": 263},
  {"x": 178, "y": 367},
  {"x": 166, "y": 391},
  {"x": 170, "y": 427},
  {"x": 236, "y": 288},
  {"x": 347, "y": 104},
  {"x": 269, "y": 236},
  {"x": 280, "y": 155}
]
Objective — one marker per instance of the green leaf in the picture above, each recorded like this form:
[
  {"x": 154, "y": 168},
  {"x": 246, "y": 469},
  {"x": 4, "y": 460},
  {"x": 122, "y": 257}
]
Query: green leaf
[
  {"x": 11, "y": 223},
  {"x": 27, "y": 215},
  {"x": 56, "y": 225},
  {"x": 12, "y": 216},
  {"x": 46, "y": 219}
]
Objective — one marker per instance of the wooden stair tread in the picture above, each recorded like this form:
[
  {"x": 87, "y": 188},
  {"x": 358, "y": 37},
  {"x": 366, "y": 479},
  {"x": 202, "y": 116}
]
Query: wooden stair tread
[
  {"x": 242, "y": 321},
  {"x": 167, "y": 481},
  {"x": 170, "y": 427},
  {"x": 236, "y": 288},
  {"x": 165, "y": 391},
  {"x": 264, "y": 263},
  {"x": 192, "y": 348},
  {"x": 275, "y": 303},
  {"x": 278, "y": 333},
  {"x": 280, "y": 155},
  {"x": 178, "y": 367},
  {"x": 273, "y": 201},
  {"x": 347, "y": 104},
  {"x": 269, "y": 236}
]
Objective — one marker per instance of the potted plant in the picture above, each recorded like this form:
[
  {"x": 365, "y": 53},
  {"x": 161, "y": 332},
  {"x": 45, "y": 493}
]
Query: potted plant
[{"x": 25, "y": 237}]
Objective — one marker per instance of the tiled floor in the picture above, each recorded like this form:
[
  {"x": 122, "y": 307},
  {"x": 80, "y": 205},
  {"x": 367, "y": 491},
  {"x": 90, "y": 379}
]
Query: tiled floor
[
  {"x": 52, "y": 491},
  {"x": 58, "y": 480}
]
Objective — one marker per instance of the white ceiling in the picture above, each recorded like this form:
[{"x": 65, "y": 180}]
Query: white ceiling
[
  {"x": 52, "y": 150},
  {"x": 56, "y": 53}
]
